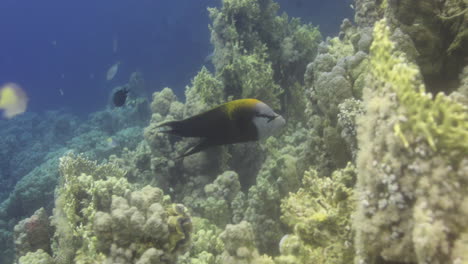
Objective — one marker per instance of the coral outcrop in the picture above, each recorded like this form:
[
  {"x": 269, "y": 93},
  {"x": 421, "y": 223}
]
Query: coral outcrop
[
  {"x": 33, "y": 234},
  {"x": 412, "y": 166},
  {"x": 371, "y": 167},
  {"x": 100, "y": 219},
  {"x": 319, "y": 214}
]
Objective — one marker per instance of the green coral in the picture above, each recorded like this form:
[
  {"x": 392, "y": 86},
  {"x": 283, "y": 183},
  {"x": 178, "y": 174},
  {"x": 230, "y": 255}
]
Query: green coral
[
  {"x": 441, "y": 121},
  {"x": 85, "y": 188},
  {"x": 251, "y": 75},
  {"x": 239, "y": 245},
  {"x": 162, "y": 101},
  {"x": 37, "y": 257},
  {"x": 257, "y": 52},
  {"x": 99, "y": 219},
  {"x": 412, "y": 176},
  {"x": 320, "y": 215},
  {"x": 205, "y": 92},
  {"x": 219, "y": 196},
  {"x": 206, "y": 243},
  {"x": 350, "y": 110}
]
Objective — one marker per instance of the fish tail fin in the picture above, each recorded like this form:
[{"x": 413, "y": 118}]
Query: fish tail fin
[{"x": 202, "y": 145}]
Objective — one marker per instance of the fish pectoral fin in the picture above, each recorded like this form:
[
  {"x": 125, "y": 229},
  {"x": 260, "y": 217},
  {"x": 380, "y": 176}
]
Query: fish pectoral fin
[
  {"x": 202, "y": 145},
  {"x": 168, "y": 127}
]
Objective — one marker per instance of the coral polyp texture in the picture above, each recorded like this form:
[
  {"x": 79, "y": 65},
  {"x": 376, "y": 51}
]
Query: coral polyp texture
[
  {"x": 412, "y": 176},
  {"x": 370, "y": 168},
  {"x": 319, "y": 214},
  {"x": 100, "y": 217}
]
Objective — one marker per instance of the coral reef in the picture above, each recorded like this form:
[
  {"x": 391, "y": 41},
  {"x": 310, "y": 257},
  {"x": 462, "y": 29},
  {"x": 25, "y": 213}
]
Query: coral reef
[
  {"x": 43, "y": 143},
  {"x": 372, "y": 164},
  {"x": 333, "y": 80},
  {"x": 220, "y": 195},
  {"x": 240, "y": 247},
  {"x": 33, "y": 234},
  {"x": 440, "y": 56},
  {"x": 39, "y": 256},
  {"x": 98, "y": 218},
  {"x": 206, "y": 243},
  {"x": 280, "y": 174},
  {"x": 411, "y": 173},
  {"x": 319, "y": 213},
  {"x": 249, "y": 37},
  {"x": 26, "y": 140}
]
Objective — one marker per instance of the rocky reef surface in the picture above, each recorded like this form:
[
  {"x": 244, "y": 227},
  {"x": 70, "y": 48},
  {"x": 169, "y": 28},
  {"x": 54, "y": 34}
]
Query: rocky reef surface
[{"x": 371, "y": 168}]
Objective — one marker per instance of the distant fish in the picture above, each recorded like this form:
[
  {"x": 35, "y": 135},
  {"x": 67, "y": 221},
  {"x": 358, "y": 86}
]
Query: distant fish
[
  {"x": 111, "y": 142},
  {"x": 112, "y": 71},
  {"x": 209, "y": 57},
  {"x": 119, "y": 97},
  {"x": 115, "y": 44},
  {"x": 54, "y": 43},
  {"x": 352, "y": 7},
  {"x": 13, "y": 100},
  {"x": 61, "y": 92}
]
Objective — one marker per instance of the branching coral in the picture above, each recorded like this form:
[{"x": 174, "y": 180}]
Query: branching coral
[
  {"x": 205, "y": 92},
  {"x": 320, "y": 215},
  {"x": 85, "y": 188},
  {"x": 256, "y": 51},
  {"x": 39, "y": 256},
  {"x": 252, "y": 76},
  {"x": 99, "y": 219},
  {"x": 442, "y": 122},
  {"x": 412, "y": 176}
]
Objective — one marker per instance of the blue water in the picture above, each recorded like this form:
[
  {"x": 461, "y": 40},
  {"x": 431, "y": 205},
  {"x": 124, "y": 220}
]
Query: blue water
[{"x": 54, "y": 45}]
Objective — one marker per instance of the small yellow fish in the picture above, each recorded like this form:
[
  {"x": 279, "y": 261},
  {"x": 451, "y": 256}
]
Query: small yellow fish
[
  {"x": 13, "y": 100},
  {"x": 111, "y": 142}
]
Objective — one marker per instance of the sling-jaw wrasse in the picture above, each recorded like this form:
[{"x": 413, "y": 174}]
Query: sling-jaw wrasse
[{"x": 233, "y": 122}]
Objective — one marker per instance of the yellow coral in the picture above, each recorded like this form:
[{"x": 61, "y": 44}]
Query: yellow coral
[{"x": 442, "y": 121}]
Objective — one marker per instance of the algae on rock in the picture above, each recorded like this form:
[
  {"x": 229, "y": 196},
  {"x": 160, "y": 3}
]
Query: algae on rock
[
  {"x": 319, "y": 214},
  {"x": 412, "y": 166}
]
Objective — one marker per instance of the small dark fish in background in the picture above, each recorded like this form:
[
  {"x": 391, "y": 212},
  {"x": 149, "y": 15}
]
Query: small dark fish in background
[{"x": 119, "y": 97}]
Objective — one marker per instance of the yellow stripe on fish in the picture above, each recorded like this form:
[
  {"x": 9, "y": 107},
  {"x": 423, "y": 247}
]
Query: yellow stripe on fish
[{"x": 230, "y": 107}]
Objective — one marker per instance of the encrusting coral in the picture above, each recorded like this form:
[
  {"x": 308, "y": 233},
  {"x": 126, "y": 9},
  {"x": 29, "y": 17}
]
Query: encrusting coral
[
  {"x": 39, "y": 256},
  {"x": 240, "y": 247},
  {"x": 33, "y": 234},
  {"x": 319, "y": 214},
  {"x": 101, "y": 218},
  {"x": 412, "y": 166},
  {"x": 334, "y": 82}
]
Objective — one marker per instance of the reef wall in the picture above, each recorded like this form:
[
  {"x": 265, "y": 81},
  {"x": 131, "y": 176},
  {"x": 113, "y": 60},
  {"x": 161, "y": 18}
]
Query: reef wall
[{"x": 371, "y": 167}]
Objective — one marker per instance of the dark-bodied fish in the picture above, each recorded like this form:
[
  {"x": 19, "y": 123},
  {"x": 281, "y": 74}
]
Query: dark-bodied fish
[
  {"x": 119, "y": 97},
  {"x": 233, "y": 122}
]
